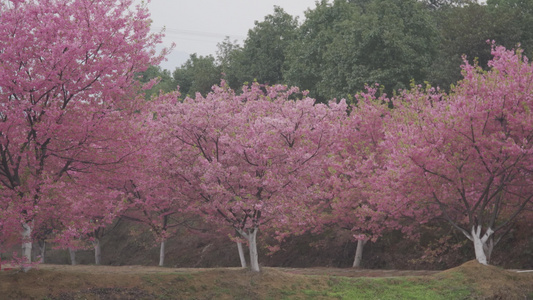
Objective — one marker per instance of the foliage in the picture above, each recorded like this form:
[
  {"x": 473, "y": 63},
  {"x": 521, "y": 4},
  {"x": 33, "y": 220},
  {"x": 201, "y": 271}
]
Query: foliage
[
  {"x": 521, "y": 14},
  {"x": 165, "y": 81},
  {"x": 344, "y": 45},
  {"x": 228, "y": 58},
  {"x": 79, "y": 146},
  {"x": 466, "y": 157},
  {"x": 306, "y": 55},
  {"x": 465, "y": 30},
  {"x": 154, "y": 196},
  {"x": 197, "y": 75},
  {"x": 353, "y": 166},
  {"x": 264, "y": 52},
  {"x": 67, "y": 81},
  {"x": 246, "y": 157}
]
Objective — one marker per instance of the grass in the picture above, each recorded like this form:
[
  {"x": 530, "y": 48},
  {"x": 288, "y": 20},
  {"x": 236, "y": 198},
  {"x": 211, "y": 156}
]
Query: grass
[
  {"x": 400, "y": 288},
  {"x": 469, "y": 281}
]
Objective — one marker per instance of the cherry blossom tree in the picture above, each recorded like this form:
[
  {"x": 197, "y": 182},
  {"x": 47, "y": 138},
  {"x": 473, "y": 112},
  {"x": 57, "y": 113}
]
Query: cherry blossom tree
[
  {"x": 67, "y": 77},
  {"x": 156, "y": 206},
  {"x": 353, "y": 173},
  {"x": 156, "y": 197},
  {"x": 250, "y": 158},
  {"x": 467, "y": 157},
  {"x": 357, "y": 157},
  {"x": 91, "y": 211}
]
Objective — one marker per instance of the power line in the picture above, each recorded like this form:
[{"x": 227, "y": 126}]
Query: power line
[{"x": 197, "y": 33}]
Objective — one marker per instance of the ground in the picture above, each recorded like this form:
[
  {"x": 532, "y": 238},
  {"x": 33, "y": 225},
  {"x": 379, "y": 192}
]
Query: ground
[{"x": 468, "y": 281}]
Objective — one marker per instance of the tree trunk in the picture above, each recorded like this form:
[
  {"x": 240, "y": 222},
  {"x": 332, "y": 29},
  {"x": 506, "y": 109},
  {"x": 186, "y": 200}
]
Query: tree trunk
[
  {"x": 359, "y": 253},
  {"x": 251, "y": 236},
  {"x": 480, "y": 243},
  {"x": 97, "y": 251},
  {"x": 252, "y": 246},
  {"x": 72, "y": 254},
  {"x": 42, "y": 250},
  {"x": 487, "y": 248},
  {"x": 26, "y": 246},
  {"x": 480, "y": 253},
  {"x": 162, "y": 253},
  {"x": 241, "y": 254}
]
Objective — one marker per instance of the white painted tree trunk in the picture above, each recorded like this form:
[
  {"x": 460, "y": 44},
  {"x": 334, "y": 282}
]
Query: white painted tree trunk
[
  {"x": 478, "y": 248},
  {"x": 252, "y": 245},
  {"x": 97, "y": 251},
  {"x": 26, "y": 245},
  {"x": 480, "y": 243},
  {"x": 251, "y": 236},
  {"x": 72, "y": 254},
  {"x": 359, "y": 253},
  {"x": 241, "y": 254},
  {"x": 162, "y": 253}
]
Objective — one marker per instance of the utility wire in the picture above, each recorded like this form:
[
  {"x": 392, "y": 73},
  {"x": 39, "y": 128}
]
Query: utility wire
[{"x": 196, "y": 33}]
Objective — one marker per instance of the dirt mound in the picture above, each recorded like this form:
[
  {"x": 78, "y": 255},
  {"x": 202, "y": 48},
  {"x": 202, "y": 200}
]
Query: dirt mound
[
  {"x": 493, "y": 282},
  {"x": 472, "y": 267}
]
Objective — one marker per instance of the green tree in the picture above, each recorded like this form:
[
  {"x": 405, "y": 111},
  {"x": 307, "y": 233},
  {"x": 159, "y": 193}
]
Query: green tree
[
  {"x": 346, "y": 44},
  {"x": 197, "y": 74},
  {"x": 439, "y": 4},
  {"x": 305, "y": 58},
  {"x": 465, "y": 30},
  {"x": 229, "y": 61},
  {"x": 263, "y": 55},
  {"x": 166, "y": 81},
  {"x": 521, "y": 13},
  {"x": 396, "y": 44}
]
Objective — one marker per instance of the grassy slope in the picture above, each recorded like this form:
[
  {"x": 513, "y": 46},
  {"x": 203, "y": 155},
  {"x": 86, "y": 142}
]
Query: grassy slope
[{"x": 468, "y": 281}]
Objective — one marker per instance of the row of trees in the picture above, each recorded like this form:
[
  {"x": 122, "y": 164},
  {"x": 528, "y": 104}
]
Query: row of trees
[
  {"x": 80, "y": 148},
  {"x": 342, "y": 45}
]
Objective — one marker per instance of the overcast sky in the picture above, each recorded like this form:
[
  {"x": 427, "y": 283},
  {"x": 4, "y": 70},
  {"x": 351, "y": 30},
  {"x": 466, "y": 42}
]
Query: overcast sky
[{"x": 196, "y": 26}]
